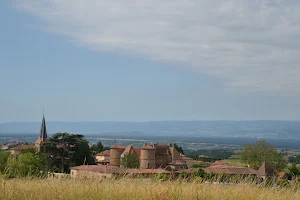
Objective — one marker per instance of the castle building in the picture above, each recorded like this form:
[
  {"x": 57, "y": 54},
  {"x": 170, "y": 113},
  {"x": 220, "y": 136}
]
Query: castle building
[
  {"x": 150, "y": 156},
  {"x": 43, "y": 135}
]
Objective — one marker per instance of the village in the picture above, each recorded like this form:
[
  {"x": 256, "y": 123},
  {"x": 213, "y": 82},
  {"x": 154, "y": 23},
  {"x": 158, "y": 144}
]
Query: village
[{"x": 147, "y": 161}]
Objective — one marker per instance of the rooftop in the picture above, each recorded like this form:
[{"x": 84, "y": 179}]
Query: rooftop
[
  {"x": 104, "y": 153},
  {"x": 117, "y": 170},
  {"x": 23, "y": 147},
  {"x": 218, "y": 169}
]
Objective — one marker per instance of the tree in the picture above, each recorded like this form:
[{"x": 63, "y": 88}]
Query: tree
[
  {"x": 294, "y": 170},
  {"x": 130, "y": 161},
  {"x": 255, "y": 154},
  {"x": 66, "y": 150},
  {"x": 82, "y": 154},
  {"x": 26, "y": 164},
  {"x": 97, "y": 148},
  {"x": 178, "y": 148}
]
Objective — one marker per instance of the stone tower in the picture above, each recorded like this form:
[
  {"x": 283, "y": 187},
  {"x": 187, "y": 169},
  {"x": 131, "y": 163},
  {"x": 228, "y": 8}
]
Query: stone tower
[
  {"x": 43, "y": 135},
  {"x": 115, "y": 155},
  {"x": 147, "y": 158}
]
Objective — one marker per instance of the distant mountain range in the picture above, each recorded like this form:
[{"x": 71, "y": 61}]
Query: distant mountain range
[{"x": 247, "y": 129}]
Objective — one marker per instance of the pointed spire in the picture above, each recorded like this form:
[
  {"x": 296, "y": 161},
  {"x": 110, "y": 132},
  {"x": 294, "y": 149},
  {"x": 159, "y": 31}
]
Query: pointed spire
[{"x": 43, "y": 130}]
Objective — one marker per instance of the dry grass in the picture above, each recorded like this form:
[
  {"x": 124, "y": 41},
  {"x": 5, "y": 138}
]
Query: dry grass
[{"x": 135, "y": 189}]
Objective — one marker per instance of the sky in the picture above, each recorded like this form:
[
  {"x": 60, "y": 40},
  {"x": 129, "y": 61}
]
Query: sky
[{"x": 98, "y": 60}]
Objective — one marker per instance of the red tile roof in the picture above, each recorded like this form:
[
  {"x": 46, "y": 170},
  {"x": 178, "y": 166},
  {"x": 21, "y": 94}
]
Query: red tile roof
[
  {"x": 266, "y": 169},
  {"x": 117, "y": 170},
  {"x": 137, "y": 151},
  {"x": 281, "y": 174},
  {"x": 127, "y": 150},
  {"x": 40, "y": 140},
  {"x": 219, "y": 162},
  {"x": 23, "y": 147},
  {"x": 177, "y": 162},
  {"x": 218, "y": 169},
  {"x": 104, "y": 153}
]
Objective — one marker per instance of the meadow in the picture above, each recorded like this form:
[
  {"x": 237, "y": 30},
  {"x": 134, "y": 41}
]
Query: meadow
[{"x": 136, "y": 189}]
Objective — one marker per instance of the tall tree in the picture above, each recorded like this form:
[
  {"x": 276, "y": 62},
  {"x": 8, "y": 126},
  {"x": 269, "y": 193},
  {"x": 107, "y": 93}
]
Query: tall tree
[
  {"x": 255, "y": 154},
  {"x": 97, "y": 148},
  {"x": 67, "y": 150}
]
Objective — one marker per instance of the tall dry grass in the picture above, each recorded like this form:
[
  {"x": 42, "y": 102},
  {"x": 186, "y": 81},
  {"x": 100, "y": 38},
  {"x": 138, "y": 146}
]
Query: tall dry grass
[{"x": 44, "y": 189}]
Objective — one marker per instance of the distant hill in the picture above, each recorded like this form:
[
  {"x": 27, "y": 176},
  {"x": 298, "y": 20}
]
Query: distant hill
[{"x": 249, "y": 129}]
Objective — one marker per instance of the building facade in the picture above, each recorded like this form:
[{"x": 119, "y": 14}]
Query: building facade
[{"x": 150, "y": 156}]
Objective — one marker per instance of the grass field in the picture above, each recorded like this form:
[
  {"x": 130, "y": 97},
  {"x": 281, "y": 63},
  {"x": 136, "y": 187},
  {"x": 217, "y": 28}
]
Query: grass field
[
  {"x": 234, "y": 160},
  {"x": 135, "y": 189}
]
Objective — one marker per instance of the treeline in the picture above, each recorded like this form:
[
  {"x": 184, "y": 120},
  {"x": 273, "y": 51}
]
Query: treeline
[
  {"x": 209, "y": 155},
  {"x": 294, "y": 159},
  {"x": 57, "y": 154}
]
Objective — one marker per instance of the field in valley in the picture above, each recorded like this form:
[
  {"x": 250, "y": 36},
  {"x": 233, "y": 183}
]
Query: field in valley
[{"x": 136, "y": 189}]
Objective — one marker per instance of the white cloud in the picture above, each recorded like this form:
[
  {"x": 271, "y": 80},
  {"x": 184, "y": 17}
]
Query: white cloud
[{"x": 251, "y": 44}]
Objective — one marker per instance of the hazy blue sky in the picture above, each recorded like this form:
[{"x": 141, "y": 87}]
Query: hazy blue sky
[{"x": 97, "y": 60}]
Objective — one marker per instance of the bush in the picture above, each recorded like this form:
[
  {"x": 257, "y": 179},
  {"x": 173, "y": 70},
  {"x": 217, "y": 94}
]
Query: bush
[
  {"x": 199, "y": 173},
  {"x": 26, "y": 165}
]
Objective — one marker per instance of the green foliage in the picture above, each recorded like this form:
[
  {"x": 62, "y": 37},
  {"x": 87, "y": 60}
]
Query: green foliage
[
  {"x": 294, "y": 170},
  {"x": 183, "y": 175},
  {"x": 255, "y": 154},
  {"x": 97, "y": 148},
  {"x": 178, "y": 148},
  {"x": 209, "y": 155},
  {"x": 204, "y": 159},
  {"x": 196, "y": 165},
  {"x": 130, "y": 161},
  {"x": 4, "y": 155},
  {"x": 66, "y": 150},
  {"x": 199, "y": 173},
  {"x": 26, "y": 165},
  {"x": 82, "y": 154},
  {"x": 294, "y": 159}
]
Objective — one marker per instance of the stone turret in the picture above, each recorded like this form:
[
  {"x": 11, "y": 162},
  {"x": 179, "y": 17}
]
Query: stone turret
[
  {"x": 115, "y": 155},
  {"x": 147, "y": 159}
]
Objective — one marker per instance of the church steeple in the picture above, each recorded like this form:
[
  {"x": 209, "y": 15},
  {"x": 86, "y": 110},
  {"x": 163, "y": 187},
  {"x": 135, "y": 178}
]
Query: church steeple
[
  {"x": 43, "y": 130},
  {"x": 43, "y": 134}
]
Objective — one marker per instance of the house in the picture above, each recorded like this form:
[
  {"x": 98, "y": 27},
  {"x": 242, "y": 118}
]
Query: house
[
  {"x": 17, "y": 150},
  {"x": 223, "y": 169},
  {"x": 6, "y": 147},
  {"x": 103, "y": 157},
  {"x": 266, "y": 170}
]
